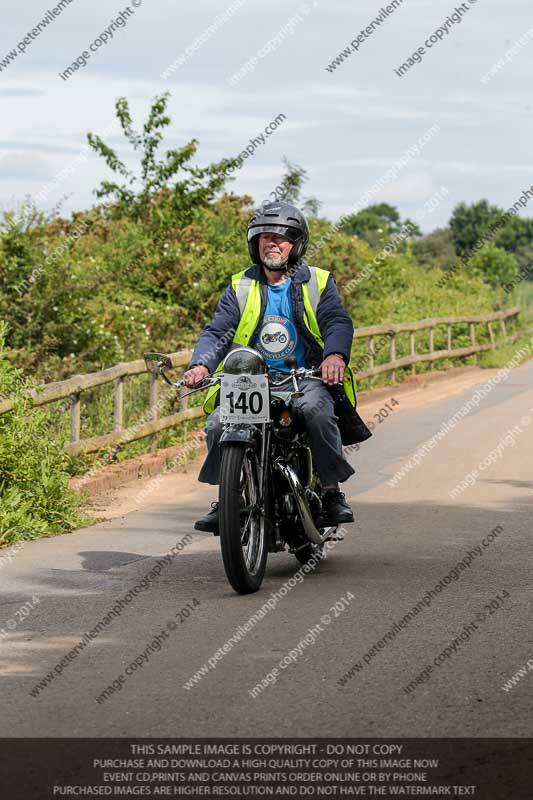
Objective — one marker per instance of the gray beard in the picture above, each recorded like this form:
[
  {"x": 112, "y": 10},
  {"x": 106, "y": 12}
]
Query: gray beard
[{"x": 274, "y": 265}]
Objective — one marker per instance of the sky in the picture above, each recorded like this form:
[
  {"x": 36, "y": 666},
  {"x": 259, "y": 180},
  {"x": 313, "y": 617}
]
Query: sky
[{"x": 347, "y": 127}]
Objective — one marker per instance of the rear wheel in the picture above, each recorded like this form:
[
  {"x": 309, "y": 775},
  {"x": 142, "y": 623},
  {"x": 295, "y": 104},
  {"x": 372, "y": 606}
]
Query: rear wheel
[{"x": 243, "y": 538}]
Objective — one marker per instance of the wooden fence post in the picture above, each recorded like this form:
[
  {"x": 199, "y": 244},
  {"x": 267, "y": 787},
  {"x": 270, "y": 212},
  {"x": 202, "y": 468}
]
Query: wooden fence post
[
  {"x": 183, "y": 401},
  {"x": 392, "y": 354},
  {"x": 431, "y": 345},
  {"x": 503, "y": 329},
  {"x": 491, "y": 333},
  {"x": 154, "y": 384},
  {"x": 75, "y": 417},
  {"x": 412, "y": 350},
  {"x": 118, "y": 404},
  {"x": 472, "y": 332},
  {"x": 370, "y": 352}
]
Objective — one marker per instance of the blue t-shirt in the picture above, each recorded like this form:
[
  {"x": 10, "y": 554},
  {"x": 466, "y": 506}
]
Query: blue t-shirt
[{"x": 278, "y": 337}]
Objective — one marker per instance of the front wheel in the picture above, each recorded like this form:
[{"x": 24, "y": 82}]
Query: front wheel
[{"x": 243, "y": 538}]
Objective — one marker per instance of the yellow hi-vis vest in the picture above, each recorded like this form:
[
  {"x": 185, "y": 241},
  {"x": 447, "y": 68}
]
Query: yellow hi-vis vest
[{"x": 248, "y": 291}]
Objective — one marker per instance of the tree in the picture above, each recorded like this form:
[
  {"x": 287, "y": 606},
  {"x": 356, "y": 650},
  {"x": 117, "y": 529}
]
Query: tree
[
  {"x": 496, "y": 266},
  {"x": 469, "y": 224},
  {"x": 377, "y": 223},
  {"x": 524, "y": 257},
  {"x": 436, "y": 249},
  {"x": 516, "y": 234},
  {"x": 155, "y": 195},
  {"x": 291, "y": 189}
]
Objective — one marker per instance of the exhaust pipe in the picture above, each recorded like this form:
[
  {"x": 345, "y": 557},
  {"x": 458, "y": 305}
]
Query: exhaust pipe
[{"x": 312, "y": 532}]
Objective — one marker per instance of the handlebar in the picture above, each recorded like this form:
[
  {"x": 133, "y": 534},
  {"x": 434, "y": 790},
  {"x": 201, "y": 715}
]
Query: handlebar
[
  {"x": 158, "y": 363},
  {"x": 302, "y": 372},
  {"x": 208, "y": 381}
]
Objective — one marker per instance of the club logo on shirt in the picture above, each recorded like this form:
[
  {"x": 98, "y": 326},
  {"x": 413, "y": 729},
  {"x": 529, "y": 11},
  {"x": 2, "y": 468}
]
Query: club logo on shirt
[{"x": 277, "y": 337}]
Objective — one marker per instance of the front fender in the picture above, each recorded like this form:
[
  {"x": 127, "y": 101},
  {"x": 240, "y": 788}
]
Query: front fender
[{"x": 242, "y": 434}]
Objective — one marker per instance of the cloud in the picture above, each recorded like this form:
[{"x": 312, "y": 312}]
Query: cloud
[
  {"x": 345, "y": 128},
  {"x": 476, "y": 168},
  {"x": 408, "y": 189},
  {"x": 381, "y": 163},
  {"x": 37, "y": 146},
  {"x": 21, "y": 167},
  {"x": 21, "y": 92},
  {"x": 383, "y": 112}
]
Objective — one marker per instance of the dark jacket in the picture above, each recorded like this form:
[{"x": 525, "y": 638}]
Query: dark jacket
[{"x": 335, "y": 325}]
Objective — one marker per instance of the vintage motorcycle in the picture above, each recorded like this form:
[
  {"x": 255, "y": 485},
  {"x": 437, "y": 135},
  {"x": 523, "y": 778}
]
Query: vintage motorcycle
[
  {"x": 278, "y": 336},
  {"x": 269, "y": 492}
]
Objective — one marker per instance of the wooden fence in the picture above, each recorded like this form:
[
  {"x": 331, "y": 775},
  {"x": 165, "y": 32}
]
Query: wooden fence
[{"x": 364, "y": 366}]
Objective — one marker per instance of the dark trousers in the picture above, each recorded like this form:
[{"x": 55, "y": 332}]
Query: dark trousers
[{"x": 322, "y": 430}]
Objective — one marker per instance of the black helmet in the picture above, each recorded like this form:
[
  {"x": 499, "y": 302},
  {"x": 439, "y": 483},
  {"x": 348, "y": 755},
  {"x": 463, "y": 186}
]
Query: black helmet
[{"x": 283, "y": 218}]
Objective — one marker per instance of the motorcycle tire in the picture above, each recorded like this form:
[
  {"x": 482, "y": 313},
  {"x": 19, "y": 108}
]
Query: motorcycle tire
[{"x": 239, "y": 487}]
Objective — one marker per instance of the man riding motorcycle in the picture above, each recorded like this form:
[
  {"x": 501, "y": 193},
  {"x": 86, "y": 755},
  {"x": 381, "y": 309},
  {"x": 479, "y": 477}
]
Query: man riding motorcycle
[{"x": 280, "y": 307}]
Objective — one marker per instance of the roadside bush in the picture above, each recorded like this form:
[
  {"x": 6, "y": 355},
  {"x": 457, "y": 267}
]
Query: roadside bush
[{"x": 35, "y": 499}]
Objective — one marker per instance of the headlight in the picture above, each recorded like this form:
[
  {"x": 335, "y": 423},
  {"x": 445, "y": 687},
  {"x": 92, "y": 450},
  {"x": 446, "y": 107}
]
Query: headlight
[{"x": 244, "y": 359}]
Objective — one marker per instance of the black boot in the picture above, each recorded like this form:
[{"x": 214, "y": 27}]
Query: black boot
[
  {"x": 335, "y": 509},
  {"x": 209, "y": 522}
]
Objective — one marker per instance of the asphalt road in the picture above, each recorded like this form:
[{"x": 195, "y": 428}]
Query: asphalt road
[{"x": 405, "y": 540}]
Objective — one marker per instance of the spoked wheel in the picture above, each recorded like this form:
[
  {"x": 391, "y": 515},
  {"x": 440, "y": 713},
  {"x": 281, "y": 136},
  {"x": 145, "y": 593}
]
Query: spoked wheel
[{"x": 243, "y": 538}]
